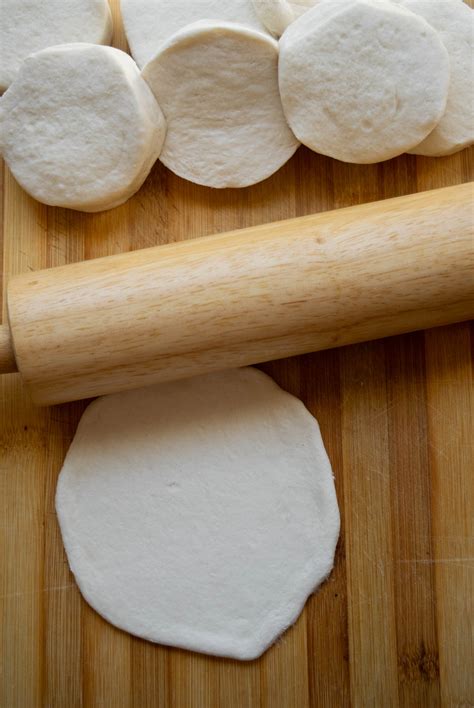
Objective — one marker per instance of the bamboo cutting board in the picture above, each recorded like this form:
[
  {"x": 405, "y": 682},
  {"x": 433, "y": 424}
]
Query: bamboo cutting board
[{"x": 393, "y": 625}]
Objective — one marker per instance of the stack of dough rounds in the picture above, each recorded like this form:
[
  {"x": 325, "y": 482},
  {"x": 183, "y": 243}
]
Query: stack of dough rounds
[
  {"x": 276, "y": 15},
  {"x": 27, "y": 27},
  {"x": 79, "y": 127},
  {"x": 217, "y": 84},
  {"x": 149, "y": 23},
  {"x": 201, "y": 513},
  {"x": 454, "y": 21},
  {"x": 358, "y": 80},
  {"x": 362, "y": 80}
]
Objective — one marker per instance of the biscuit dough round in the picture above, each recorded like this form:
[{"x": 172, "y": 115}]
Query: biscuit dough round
[
  {"x": 79, "y": 127},
  {"x": 199, "y": 514},
  {"x": 362, "y": 80},
  {"x": 276, "y": 15},
  {"x": 149, "y": 23},
  {"x": 454, "y": 21},
  {"x": 217, "y": 84},
  {"x": 28, "y": 27}
]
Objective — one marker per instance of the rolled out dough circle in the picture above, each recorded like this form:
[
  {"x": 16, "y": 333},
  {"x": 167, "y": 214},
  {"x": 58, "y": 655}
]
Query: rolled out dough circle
[
  {"x": 199, "y": 514},
  {"x": 217, "y": 84}
]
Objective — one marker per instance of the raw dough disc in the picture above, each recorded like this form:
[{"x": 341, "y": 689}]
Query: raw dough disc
[
  {"x": 79, "y": 127},
  {"x": 199, "y": 514},
  {"x": 362, "y": 80},
  {"x": 148, "y": 23},
  {"x": 27, "y": 27},
  {"x": 217, "y": 84},
  {"x": 454, "y": 21},
  {"x": 276, "y": 15}
]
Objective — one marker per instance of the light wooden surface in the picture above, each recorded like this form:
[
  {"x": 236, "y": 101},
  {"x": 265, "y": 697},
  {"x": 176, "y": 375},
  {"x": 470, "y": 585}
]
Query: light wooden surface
[
  {"x": 393, "y": 625},
  {"x": 244, "y": 297}
]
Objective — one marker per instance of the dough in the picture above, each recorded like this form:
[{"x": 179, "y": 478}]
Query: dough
[
  {"x": 217, "y": 84},
  {"x": 31, "y": 25},
  {"x": 199, "y": 514},
  {"x": 79, "y": 127},
  {"x": 454, "y": 21},
  {"x": 362, "y": 80},
  {"x": 276, "y": 15},
  {"x": 301, "y": 6},
  {"x": 148, "y": 23}
]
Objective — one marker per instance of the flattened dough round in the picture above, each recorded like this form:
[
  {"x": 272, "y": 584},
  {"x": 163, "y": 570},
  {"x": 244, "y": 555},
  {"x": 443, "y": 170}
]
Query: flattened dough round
[
  {"x": 362, "y": 80},
  {"x": 217, "y": 84},
  {"x": 454, "y": 21},
  {"x": 28, "y": 27},
  {"x": 149, "y": 23},
  {"x": 199, "y": 514},
  {"x": 79, "y": 128},
  {"x": 276, "y": 15}
]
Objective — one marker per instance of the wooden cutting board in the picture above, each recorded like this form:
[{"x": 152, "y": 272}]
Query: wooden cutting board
[{"x": 393, "y": 625}]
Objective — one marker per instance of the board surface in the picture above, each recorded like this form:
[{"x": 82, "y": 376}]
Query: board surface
[{"x": 393, "y": 625}]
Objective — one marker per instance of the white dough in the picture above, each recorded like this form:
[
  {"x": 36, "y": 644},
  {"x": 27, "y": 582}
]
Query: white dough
[
  {"x": 299, "y": 7},
  {"x": 276, "y": 15},
  {"x": 149, "y": 23},
  {"x": 217, "y": 84},
  {"x": 26, "y": 26},
  {"x": 79, "y": 127},
  {"x": 454, "y": 21},
  {"x": 199, "y": 514},
  {"x": 362, "y": 80}
]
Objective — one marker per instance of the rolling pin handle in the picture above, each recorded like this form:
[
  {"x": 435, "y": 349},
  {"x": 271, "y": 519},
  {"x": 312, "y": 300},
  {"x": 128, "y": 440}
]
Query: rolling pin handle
[{"x": 7, "y": 355}]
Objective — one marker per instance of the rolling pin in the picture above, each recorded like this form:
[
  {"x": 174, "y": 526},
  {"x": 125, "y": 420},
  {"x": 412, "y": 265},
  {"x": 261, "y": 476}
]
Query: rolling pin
[{"x": 243, "y": 297}]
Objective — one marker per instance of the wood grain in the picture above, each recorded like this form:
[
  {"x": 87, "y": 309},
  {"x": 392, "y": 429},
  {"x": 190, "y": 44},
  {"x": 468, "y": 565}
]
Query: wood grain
[
  {"x": 7, "y": 357},
  {"x": 393, "y": 624}
]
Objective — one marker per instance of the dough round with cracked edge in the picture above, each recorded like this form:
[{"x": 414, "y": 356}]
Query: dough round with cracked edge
[
  {"x": 199, "y": 514},
  {"x": 28, "y": 27},
  {"x": 276, "y": 15},
  {"x": 362, "y": 80},
  {"x": 454, "y": 21},
  {"x": 149, "y": 23},
  {"x": 79, "y": 127},
  {"x": 217, "y": 84}
]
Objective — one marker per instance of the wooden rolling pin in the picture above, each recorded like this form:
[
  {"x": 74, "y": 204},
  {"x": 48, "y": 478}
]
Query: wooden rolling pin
[{"x": 244, "y": 297}]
